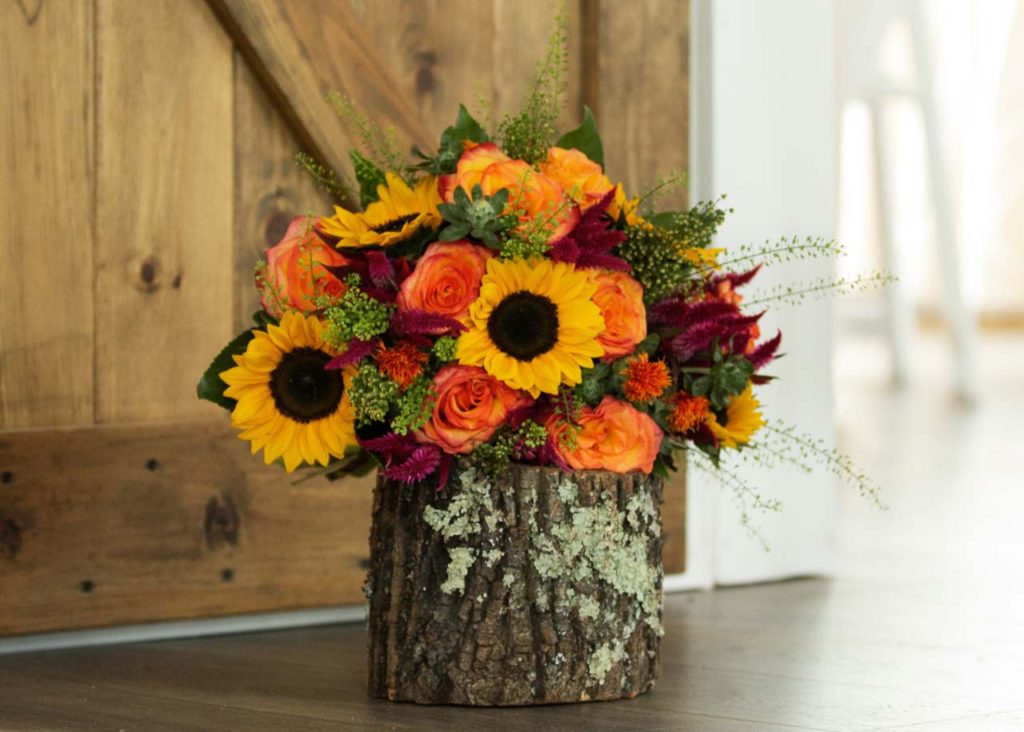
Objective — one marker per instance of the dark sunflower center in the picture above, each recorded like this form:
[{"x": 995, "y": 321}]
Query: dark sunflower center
[
  {"x": 524, "y": 325},
  {"x": 395, "y": 225},
  {"x": 303, "y": 389}
]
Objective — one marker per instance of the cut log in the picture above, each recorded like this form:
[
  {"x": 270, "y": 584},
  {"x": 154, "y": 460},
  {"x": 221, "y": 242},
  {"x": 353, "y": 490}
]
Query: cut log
[{"x": 537, "y": 587}]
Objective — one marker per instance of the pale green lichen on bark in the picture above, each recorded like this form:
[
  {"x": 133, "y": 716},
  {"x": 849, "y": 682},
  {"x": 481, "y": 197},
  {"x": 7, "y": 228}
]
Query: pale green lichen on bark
[
  {"x": 603, "y": 658},
  {"x": 460, "y": 521},
  {"x": 608, "y": 547},
  {"x": 460, "y": 559},
  {"x": 602, "y": 543}
]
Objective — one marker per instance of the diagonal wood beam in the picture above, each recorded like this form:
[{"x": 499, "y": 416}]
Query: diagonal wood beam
[{"x": 301, "y": 51}]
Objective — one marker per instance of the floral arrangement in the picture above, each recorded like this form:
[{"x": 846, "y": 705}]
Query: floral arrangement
[{"x": 503, "y": 300}]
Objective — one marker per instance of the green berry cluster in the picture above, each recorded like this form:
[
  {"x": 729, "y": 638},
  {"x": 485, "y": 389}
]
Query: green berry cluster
[
  {"x": 655, "y": 255},
  {"x": 372, "y": 394},
  {"x": 415, "y": 405},
  {"x": 356, "y": 315}
]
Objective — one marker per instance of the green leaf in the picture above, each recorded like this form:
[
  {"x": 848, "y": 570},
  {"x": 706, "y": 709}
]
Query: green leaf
[
  {"x": 467, "y": 128},
  {"x": 499, "y": 200},
  {"x": 262, "y": 319},
  {"x": 649, "y": 344},
  {"x": 454, "y": 233},
  {"x": 702, "y": 385},
  {"x": 369, "y": 177},
  {"x": 593, "y": 386},
  {"x": 452, "y": 142},
  {"x": 585, "y": 138},
  {"x": 210, "y": 386}
]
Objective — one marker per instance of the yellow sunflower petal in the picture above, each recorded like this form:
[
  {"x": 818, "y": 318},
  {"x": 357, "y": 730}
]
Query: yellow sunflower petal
[
  {"x": 297, "y": 431},
  {"x": 541, "y": 354}
]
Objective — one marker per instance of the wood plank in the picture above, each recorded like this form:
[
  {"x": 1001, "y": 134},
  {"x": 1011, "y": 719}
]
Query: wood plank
[
  {"x": 429, "y": 70},
  {"x": 313, "y": 674},
  {"x": 644, "y": 92},
  {"x": 164, "y": 206},
  {"x": 46, "y": 213},
  {"x": 126, "y": 525},
  {"x": 270, "y": 189},
  {"x": 521, "y": 34},
  {"x": 319, "y": 674},
  {"x": 302, "y": 51}
]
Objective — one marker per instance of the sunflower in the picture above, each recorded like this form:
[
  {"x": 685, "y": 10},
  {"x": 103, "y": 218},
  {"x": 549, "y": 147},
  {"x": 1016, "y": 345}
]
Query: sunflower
[
  {"x": 399, "y": 212},
  {"x": 742, "y": 420},
  {"x": 534, "y": 325},
  {"x": 288, "y": 403}
]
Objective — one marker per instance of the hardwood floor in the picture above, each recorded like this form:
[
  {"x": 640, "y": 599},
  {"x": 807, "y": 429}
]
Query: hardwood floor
[{"x": 922, "y": 630}]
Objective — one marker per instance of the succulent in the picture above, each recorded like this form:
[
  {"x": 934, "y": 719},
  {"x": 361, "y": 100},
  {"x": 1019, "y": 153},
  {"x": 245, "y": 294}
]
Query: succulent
[{"x": 476, "y": 215}]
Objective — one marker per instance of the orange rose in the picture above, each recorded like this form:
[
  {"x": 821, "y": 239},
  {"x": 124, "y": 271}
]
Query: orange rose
[
  {"x": 621, "y": 299},
  {"x": 612, "y": 436},
  {"x": 446, "y": 279},
  {"x": 470, "y": 405},
  {"x": 296, "y": 270},
  {"x": 580, "y": 176},
  {"x": 532, "y": 194},
  {"x": 470, "y": 168}
]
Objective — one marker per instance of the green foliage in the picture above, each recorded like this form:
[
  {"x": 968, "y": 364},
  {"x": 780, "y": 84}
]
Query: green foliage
[
  {"x": 368, "y": 175},
  {"x": 445, "y": 348},
  {"x": 585, "y": 138},
  {"x": 524, "y": 244},
  {"x": 657, "y": 262},
  {"x": 372, "y": 394},
  {"x": 380, "y": 146},
  {"x": 326, "y": 179},
  {"x": 725, "y": 378},
  {"x": 414, "y": 405},
  {"x": 263, "y": 319},
  {"x": 746, "y": 496},
  {"x": 356, "y": 315},
  {"x": 695, "y": 228},
  {"x": 496, "y": 455},
  {"x": 674, "y": 181},
  {"x": 796, "y": 292},
  {"x": 478, "y": 216},
  {"x": 595, "y": 384},
  {"x": 648, "y": 345},
  {"x": 452, "y": 144},
  {"x": 530, "y": 238},
  {"x": 786, "y": 444},
  {"x": 211, "y": 387},
  {"x": 527, "y": 134},
  {"x": 786, "y": 249}
]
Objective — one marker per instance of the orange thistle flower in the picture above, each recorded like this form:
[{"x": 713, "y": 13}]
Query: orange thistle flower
[
  {"x": 688, "y": 412},
  {"x": 645, "y": 380},
  {"x": 403, "y": 364}
]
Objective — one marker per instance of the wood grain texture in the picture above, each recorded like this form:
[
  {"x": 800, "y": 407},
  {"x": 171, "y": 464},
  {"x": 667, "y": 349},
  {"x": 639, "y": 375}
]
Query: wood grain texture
[
  {"x": 643, "y": 90},
  {"x": 434, "y": 74},
  {"x": 46, "y": 160},
  {"x": 125, "y": 525},
  {"x": 270, "y": 188},
  {"x": 521, "y": 34},
  {"x": 302, "y": 51},
  {"x": 164, "y": 195}
]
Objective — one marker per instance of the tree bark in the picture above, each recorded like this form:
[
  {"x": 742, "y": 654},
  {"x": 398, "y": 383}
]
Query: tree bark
[{"x": 536, "y": 587}]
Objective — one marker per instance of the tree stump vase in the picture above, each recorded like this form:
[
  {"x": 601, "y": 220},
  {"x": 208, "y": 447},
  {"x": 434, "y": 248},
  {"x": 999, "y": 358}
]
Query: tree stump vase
[{"x": 537, "y": 587}]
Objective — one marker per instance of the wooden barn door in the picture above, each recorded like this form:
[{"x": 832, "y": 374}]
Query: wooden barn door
[{"x": 148, "y": 159}]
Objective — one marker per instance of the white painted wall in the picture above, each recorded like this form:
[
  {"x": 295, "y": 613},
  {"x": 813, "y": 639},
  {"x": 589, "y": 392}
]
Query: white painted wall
[{"x": 764, "y": 132}]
